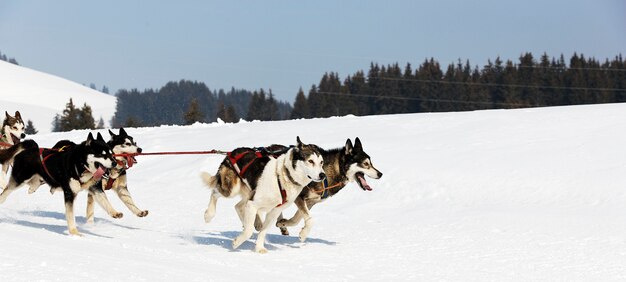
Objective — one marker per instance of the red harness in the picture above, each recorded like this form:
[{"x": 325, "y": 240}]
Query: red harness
[
  {"x": 44, "y": 159},
  {"x": 236, "y": 158},
  {"x": 129, "y": 163},
  {"x": 257, "y": 154}
]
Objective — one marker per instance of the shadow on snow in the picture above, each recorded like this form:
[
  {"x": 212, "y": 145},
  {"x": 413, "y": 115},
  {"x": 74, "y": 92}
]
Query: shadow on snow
[{"x": 225, "y": 240}]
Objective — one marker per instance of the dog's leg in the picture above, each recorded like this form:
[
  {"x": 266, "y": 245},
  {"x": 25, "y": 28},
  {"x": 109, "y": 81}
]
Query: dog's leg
[
  {"x": 90, "y": 208},
  {"x": 68, "y": 198},
  {"x": 250, "y": 212},
  {"x": 270, "y": 217},
  {"x": 210, "y": 211},
  {"x": 11, "y": 186},
  {"x": 296, "y": 218},
  {"x": 34, "y": 183},
  {"x": 308, "y": 220},
  {"x": 103, "y": 201},
  {"x": 3, "y": 175},
  {"x": 283, "y": 229},
  {"x": 240, "y": 208},
  {"x": 124, "y": 195}
]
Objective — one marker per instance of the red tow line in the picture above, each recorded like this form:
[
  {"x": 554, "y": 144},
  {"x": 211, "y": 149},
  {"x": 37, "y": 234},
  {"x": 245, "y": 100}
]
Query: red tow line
[{"x": 171, "y": 153}]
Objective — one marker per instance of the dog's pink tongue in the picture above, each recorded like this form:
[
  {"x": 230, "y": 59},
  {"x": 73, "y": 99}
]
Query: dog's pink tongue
[
  {"x": 99, "y": 173},
  {"x": 364, "y": 183}
]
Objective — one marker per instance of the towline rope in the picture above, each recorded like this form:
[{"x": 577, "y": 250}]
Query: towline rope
[{"x": 172, "y": 153}]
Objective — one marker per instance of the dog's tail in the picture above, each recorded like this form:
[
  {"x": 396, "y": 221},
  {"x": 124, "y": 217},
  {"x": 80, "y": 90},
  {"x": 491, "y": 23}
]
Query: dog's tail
[
  {"x": 211, "y": 181},
  {"x": 6, "y": 156}
]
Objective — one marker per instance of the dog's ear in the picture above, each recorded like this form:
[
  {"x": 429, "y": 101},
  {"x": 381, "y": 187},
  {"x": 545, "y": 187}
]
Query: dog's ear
[
  {"x": 7, "y": 114},
  {"x": 18, "y": 115},
  {"x": 99, "y": 138},
  {"x": 348, "y": 148},
  {"x": 357, "y": 145},
  {"x": 299, "y": 142},
  {"x": 123, "y": 132},
  {"x": 89, "y": 139},
  {"x": 111, "y": 133}
]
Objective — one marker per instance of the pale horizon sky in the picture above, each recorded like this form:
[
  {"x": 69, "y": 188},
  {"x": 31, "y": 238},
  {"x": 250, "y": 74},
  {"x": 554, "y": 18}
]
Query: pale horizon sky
[{"x": 284, "y": 45}]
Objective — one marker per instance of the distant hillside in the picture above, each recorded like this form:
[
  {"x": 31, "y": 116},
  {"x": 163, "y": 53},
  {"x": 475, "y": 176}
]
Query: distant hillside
[{"x": 39, "y": 96}]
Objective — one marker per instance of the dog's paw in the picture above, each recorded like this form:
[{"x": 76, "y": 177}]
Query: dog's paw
[
  {"x": 142, "y": 213},
  {"x": 237, "y": 242},
  {"x": 258, "y": 225},
  {"x": 303, "y": 234},
  {"x": 117, "y": 215},
  {"x": 281, "y": 223},
  {"x": 284, "y": 231},
  {"x": 261, "y": 250},
  {"x": 74, "y": 232}
]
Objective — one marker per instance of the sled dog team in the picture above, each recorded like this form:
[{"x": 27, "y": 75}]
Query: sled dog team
[{"x": 267, "y": 180}]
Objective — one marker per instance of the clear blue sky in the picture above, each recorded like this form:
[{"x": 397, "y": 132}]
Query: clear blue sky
[{"x": 283, "y": 45}]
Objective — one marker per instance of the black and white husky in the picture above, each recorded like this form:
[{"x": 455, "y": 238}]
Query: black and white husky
[
  {"x": 11, "y": 133},
  {"x": 68, "y": 167},
  {"x": 267, "y": 185},
  {"x": 342, "y": 166},
  {"x": 120, "y": 143}
]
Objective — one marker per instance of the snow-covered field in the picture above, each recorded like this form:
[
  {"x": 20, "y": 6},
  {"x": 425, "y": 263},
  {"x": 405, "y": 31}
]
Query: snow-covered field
[
  {"x": 40, "y": 96},
  {"x": 526, "y": 195}
]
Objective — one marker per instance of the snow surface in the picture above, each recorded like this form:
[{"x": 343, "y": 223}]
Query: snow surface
[
  {"x": 522, "y": 195},
  {"x": 40, "y": 96}
]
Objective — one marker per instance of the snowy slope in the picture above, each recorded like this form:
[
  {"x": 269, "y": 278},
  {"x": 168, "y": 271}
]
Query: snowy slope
[
  {"x": 39, "y": 96},
  {"x": 522, "y": 195}
]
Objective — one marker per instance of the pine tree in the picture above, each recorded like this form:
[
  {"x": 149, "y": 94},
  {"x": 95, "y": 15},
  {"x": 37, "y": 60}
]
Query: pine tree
[
  {"x": 132, "y": 122},
  {"x": 70, "y": 118},
  {"x": 300, "y": 106},
  {"x": 56, "y": 123},
  {"x": 221, "y": 111},
  {"x": 231, "y": 114},
  {"x": 30, "y": 128},
  {"x": 100, "y": 124},
  {"x": 85, "y": 118},
  {"x": 193, "y": 113}
]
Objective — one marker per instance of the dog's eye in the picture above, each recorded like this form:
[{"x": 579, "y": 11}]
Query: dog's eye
[{"x": 311, "y": 162}]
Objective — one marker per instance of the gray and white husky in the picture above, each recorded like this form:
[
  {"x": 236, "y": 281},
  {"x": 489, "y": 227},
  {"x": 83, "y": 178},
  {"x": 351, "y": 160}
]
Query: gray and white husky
[
  {"x": 267, "y": 185},
  {"x": 342, "y": 166}
]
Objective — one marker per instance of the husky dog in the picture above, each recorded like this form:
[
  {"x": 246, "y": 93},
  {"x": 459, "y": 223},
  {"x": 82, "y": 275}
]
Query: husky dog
[
  {"x": 121, "y": 143},
  {"x": 11, "y": 133},
  {"x": 68, "y": 166},
  {"x": 342, "y": 166},
  {"x": 267, "y": 185},
  {"x": 12, "y": 129}
]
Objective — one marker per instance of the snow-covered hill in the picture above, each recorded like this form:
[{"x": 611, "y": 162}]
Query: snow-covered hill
[
  {"x": 526, "y": 195},
  {"x": 39, "y": 96}
]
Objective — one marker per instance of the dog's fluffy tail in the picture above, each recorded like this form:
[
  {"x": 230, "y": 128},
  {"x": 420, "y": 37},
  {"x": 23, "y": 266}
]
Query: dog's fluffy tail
[
  {"x": 6, "y": 156},
  {"x": 211, "y": 181}
]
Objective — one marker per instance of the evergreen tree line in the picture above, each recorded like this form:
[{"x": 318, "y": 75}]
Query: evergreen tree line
[
  {"x": 75, "y": 118},
  {"x": 185, "y": 102},
  {"x": 527, "y": 83},
  {"x": 4, "y": 57}
]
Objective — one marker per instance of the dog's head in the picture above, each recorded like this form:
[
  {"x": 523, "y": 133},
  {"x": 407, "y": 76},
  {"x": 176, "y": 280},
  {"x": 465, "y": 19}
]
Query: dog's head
[
  {"x": 308, "y": 159},
  {"x": 13, "y": 127},
  {"x": 359, "y": 164},
  {"x": 122, "y": 143},
  {"x": 99, "y": 156}
]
